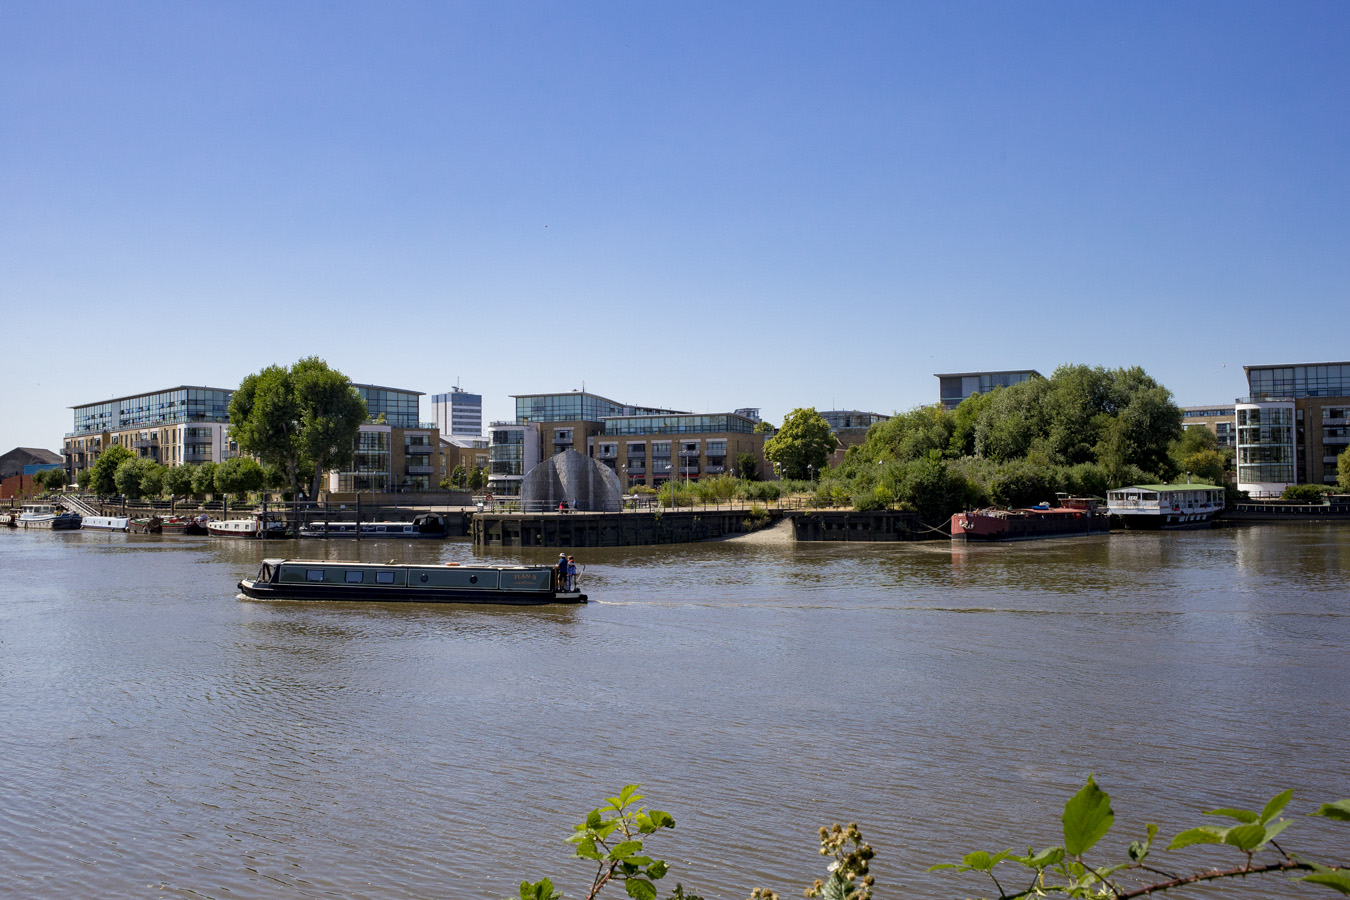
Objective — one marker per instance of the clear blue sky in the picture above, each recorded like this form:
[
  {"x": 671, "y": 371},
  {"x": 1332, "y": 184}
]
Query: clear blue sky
[{"x": 703, "y": 206}]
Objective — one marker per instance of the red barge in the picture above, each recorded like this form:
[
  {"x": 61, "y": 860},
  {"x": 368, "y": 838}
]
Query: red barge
[{"x": 1073, "y": 517}]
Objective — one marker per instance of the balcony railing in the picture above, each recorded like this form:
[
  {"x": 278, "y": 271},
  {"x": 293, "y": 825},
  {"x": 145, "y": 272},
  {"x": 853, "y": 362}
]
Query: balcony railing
[
  {"x": 688, "y": 453},
  {"x": 606, "y": 454},
  {"x": 715, "y": 470},
  {"x": 688, "y": 470},
  {"x": 143, "y": 444},
  {"x": 419, "y": 470},
  {"x": 417, "y": 450}
]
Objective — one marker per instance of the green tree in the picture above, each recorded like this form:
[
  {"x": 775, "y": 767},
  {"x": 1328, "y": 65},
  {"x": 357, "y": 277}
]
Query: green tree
[
  {"x": 178, "y": 481},
  {"x": 306, "y": 416},
  {"x": 476, "y": 479},
  {"x": 102, "y": 474},
  {"x": 762, "y": 427},
  {"x": 53, "y": 480},
  {"x": 1016, "y": 418},
  {"x": 84, "y": 479},
  {"x": 139, "y": 477},
  {"x": 204, "y": 479},
  {"x": 238, "y": 475},
  {"x": 747, "y": 467},
  {"x": 458, "y": 476},
  {"x": 1343, "y": 471},
  {"x": 805, "y": 440}
]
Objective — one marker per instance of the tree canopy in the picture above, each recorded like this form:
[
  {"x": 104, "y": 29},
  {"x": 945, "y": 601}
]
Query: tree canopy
[
  {"x": 805, "y": 440},
  {"x": 297, "y": 419},
  {"x": 1082, "y": 430},
  {"x": 102, "y": 475}
]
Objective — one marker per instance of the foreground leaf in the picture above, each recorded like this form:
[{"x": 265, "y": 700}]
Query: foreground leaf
[
  {"x": 1276, "y": 806},
  {"x": 1196, "y": 836},
  {"x": 1087, "y": 818},
  {"x": 1339, "y": 810},
  {"x": 1336, "y": 879}
]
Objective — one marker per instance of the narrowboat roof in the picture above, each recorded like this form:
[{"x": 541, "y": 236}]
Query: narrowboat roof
[{"x": 355, "y": 562}]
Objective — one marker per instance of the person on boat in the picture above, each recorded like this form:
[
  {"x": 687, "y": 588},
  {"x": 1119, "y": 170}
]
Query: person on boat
[
  {"x": 571, "y": 573},
  {"x": 562, "y": 571}
]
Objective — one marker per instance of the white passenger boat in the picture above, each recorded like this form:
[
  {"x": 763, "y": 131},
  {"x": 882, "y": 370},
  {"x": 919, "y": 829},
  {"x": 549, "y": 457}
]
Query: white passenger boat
[
  {"x": 106, "y": 523},
  {"x": 258, "y": 525},
  {"x": 302, "y": 579},
  {"x": 1166, "y": 506}
]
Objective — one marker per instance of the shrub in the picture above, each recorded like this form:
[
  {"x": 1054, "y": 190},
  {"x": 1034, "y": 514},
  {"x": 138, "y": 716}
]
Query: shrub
[{"x": 1306, "y": 493}]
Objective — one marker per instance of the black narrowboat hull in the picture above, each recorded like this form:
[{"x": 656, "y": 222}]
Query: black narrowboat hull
[{"x": 380, "y": 594}]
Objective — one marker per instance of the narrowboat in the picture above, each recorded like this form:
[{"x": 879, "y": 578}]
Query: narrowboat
[
  {"x": 393, "y": 582},
  {"x": 106, "y": 523},
  {"x": 1072, "y": 517},
  {"x": 430, "y": 525},
  {"x": 9, "y": 520},
  {"x": 169, "y": 525},
  {"x": 1166, "y": 506},
  {"x": 258, "y": 525}
]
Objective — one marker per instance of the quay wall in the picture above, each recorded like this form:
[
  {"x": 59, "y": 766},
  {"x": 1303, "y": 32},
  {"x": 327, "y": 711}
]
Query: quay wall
[{"x": 633, "y": 529}]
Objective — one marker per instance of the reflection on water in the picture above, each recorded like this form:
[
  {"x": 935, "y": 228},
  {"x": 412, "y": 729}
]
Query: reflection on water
[{"x": 161, "y": 732}]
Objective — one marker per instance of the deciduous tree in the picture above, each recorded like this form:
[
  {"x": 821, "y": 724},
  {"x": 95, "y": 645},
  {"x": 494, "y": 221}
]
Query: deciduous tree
[
  {"x": 102, "y": 475},
  {"x": 307, "y": 416},
  {"x": 805, "y": 440}
]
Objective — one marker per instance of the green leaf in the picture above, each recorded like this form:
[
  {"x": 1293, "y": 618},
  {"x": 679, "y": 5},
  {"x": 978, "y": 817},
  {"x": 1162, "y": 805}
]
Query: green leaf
[
  {"x": 1242, "y": 815},
  {"x": 658, "y": 869},
  {"x": 1087, "y": 818},
  {"x": 640, "y": 889},
  {"x": 1276, "y": 806},
  {"x": 979, "y": 861},
  {"x": 1196, "y": 836},
  {"x": 540, "y": 890},
  {"x": 593, "y": 819},
  {"x": 1247, "y": 838},
  {"x": 1140, "y": 849},
  {"x": 625, "y": 849},
  {"x": 1275, "y": 829},
  {"x": 586, "y": 849},
  {"x": 1047, "y": 857},
  {"x": 837, "y": 888},
  {"x": 942, "y": 866},
  {"x": 1336, "y": 879},
  {"x": 1339, "y": 810}
]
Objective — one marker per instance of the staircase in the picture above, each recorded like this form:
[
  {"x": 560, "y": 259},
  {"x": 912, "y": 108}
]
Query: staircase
[{"x": 75, "y": 504}]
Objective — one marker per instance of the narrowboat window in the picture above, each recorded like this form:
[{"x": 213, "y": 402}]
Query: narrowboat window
[
  {"x": 314, "y": 574},
  {"x": 424, "y": 577},
  {"x": 384, "y": 577},
  {"x": 1150, "y": 496},
  {"x": 355, "y": 577},
  {"x": 473, "y": 579}
]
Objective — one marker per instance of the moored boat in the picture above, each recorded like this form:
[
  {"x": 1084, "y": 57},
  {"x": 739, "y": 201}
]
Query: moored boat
[
  {"x": 66, "y": 521},
  {"x": 430, "y": 525},
  {"x": 105, "y": 523},
  {"x": 299, "y": 579},
  {"x": 258, "y": 525},
  {"x": 37, "y": 515},
  {"x": 1166, "y": 506},
  {"x": 1072, "y": 517},
  {"x": 9, "y": 520}
]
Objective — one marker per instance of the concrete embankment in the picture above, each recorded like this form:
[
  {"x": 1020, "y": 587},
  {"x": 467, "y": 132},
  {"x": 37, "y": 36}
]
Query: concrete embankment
[{"x": 632, "y": 529}]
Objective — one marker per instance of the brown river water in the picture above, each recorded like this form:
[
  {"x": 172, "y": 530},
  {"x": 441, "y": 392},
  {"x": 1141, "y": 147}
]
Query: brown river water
[{"x": 161, "y": 736}]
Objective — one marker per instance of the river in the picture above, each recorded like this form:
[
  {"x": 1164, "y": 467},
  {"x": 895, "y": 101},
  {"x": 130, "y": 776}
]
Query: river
[{"x": 162, "y": 736}]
